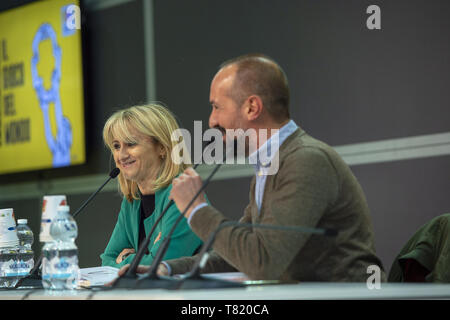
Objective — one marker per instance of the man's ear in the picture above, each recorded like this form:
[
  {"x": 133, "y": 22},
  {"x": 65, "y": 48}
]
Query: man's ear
[{"x": 254, "y": 107}]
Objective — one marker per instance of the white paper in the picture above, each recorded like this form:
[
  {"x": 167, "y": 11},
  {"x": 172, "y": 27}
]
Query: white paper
[
  {"x": 228, "y": 276},
  {"x": 97, "y": 276}
]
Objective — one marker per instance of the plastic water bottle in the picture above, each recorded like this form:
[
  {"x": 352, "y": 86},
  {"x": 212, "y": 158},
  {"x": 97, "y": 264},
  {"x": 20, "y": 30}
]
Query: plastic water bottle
[
  {"x": 9, "y": 266},
  {"x": 26, "y": 254},
  {"x": 46, "y": 273},
  {"x": 9, "y": 249},
  {"x": 60, "y": 269}
]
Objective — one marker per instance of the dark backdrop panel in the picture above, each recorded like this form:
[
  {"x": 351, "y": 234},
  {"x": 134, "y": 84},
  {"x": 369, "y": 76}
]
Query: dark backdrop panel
[
  {"x": 402, "y": 196},
  {"x": 348, "y": 84}
]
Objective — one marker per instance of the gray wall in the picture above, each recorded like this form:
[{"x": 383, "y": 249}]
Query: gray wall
[{"x": 348, "y": 85}]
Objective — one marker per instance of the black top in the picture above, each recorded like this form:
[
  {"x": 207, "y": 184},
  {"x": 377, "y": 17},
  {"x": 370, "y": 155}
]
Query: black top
[{"x": 147, "y": 207}]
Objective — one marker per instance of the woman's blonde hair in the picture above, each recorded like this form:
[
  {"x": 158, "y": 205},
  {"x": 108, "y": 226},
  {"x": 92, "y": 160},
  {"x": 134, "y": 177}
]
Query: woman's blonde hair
[{"x": 152, "y": 120}]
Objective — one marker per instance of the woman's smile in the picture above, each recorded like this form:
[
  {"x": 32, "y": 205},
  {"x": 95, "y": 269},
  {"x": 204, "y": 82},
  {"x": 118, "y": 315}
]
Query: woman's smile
[{"x": 126, "y": 164}]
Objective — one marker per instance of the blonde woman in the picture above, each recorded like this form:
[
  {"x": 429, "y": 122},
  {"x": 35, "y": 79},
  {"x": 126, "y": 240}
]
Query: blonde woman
[{"x": 140, "y": 141}]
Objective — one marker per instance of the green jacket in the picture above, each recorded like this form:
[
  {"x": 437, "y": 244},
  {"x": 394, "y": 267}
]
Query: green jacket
[
  {"x": 430, "y": 246},
  {"x": 126, "y": 232}
]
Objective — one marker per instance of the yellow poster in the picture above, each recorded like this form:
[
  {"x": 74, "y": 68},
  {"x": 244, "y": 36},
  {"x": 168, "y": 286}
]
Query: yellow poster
[{"x": 41, "y": 87}]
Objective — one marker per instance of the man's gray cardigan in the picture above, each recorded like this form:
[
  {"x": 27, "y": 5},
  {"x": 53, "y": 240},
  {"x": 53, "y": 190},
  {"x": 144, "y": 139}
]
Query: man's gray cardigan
[{"x": 315, "y": 188}]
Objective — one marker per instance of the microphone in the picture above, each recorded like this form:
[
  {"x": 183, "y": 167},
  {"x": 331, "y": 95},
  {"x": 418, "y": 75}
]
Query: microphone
[
  {"x": 193, "y": 279},
  {"x": 114, "y": 173},
  {"x": 34, "y": 280}
]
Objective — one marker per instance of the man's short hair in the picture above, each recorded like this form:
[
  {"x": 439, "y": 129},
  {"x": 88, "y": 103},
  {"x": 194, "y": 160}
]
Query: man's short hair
[{"x": 260, "y": 75}]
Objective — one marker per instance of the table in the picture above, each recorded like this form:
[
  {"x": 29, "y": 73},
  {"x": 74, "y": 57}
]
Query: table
[{"x": 300, "y": 291}]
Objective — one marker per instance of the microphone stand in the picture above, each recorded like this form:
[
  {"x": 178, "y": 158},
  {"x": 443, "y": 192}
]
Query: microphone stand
[
  {"x": 34, "y": 279},
  {"x": 151, "y": 280},
  {"x": 193, "y": 279}
]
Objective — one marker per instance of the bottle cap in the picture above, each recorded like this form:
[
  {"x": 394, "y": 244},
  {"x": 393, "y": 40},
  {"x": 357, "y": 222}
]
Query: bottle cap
[{"x": 22, "y": 221}]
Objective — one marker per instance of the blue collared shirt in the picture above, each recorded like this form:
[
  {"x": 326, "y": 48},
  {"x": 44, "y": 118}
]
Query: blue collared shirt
[{"x": 263, "y": 159}]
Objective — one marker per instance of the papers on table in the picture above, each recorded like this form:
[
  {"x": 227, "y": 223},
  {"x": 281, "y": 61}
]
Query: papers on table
[
  {"x": 97, "y": 276},
  {"x": 229, "y": 276},
  {"x": 238, "y": 277}
]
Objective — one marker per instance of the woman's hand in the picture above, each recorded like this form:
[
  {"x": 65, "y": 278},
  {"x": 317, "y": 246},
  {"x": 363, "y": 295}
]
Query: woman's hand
[{"x": 125, "y": 253}]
